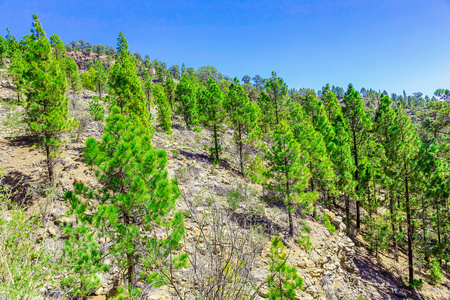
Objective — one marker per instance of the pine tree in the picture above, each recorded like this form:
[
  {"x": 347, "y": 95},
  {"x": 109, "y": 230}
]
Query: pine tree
[
  {"x": 266, "y": 111},
  {"x": 242, "y": 117},
  {"x": 3, "y": 49},
  {"x": 185, "y": 96},
  {"x": 312, "y": 142},
  {"x": 147, "y": 86},
  {"x": 100, "y": 76},
  {"x": 124, "y": 84},
  {"x": 340, "y": 155},
  {"x": 163, "y": 108},
  {"x": 288, "y": 175},
  {"x": 404, "y": 154},
  {"x": 72, "y": 76},
  {"x": 359, "y": 125},
  {"x": 170, "y": 89},
  {"x": 276, "y": 87},
  {"x": 283, "y": 280},
  {"x": 47, "y": 111},
  {"x": 384, "y": 123},
  {"x": 17, "y": 69},
  {"x": 212, "y": 114},
  {"x": 136, "y": 192},
  {"x": 58, "y": 46}
]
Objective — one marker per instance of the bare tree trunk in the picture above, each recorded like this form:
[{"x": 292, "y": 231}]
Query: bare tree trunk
[
  {"x": 409, "y": 229},
  {"x": 355, "y": 151},
  {"x": 394, "y": 230},
  {"x": 49, "y": 165},
  {"x": 241, "y": 158}
]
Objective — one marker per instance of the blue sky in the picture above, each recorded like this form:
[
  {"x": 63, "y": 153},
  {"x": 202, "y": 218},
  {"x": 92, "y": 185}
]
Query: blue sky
[{"x": 391, "y": 45}]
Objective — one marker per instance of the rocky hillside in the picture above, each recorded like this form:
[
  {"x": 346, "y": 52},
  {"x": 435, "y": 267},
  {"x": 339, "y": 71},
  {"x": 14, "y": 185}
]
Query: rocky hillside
[{"x": 333, "y": 266}]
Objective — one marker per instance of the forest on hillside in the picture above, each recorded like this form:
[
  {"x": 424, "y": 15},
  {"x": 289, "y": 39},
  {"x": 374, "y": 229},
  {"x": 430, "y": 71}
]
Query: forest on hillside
[{"x": 383, "y": 159}]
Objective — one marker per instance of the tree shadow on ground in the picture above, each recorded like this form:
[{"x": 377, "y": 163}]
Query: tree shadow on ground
[
  {"x": 206, "y": 159},
  {"x": 378, "y": 273},
  {"x": 246, "y": 221},
  {"x": 24, "y": 141},
  {"x": 19, "y": 186}
]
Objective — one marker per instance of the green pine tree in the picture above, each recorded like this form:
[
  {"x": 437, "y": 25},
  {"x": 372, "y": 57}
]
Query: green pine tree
[
  {"x": 312, "y": 142},
  {"x": 384, "y": 123},
  {"x": 406, "y": 175},
  {"x": 359, "y": 124},
  {"x": 72, "y": 73},
  {"x": 287, "y": 172},
  {"x": 136, "y": 194},
  {"x": 163, "y": 108},
  {"x": 100, "y": 76},
  {"x": 125, "y": 85},
  {"x": 243, "y": 117},
  {"x": 212, "y": 114},
  {"x": 340, "y": 154},
  {"x": 283, "y": 280},
  {"x": 277, "y": 89},
  {"x": 58, "y": 46},
  {"x": 47, "y": 111},
  {"x": 266, "y": 111},
  {"x": 185, "y": 96},
  {"x": 169, "y": 88}
]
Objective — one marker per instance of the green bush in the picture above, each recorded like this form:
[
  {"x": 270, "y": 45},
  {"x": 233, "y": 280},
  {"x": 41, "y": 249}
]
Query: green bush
[
  {"x": 435, "y": 272},
  {"x": 416, "y": 284},
  {"x": 96, "y": 110},
  {"x": 327, "y": 223}
]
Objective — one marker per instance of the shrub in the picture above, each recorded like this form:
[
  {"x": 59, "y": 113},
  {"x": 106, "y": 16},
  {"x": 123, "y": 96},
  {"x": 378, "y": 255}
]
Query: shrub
[
  {"x": 416, "y": 284},
  {"x": 96, "y": 110},
  {"x": 326, "y": 222},
  {"x": 435, "y": 273}
]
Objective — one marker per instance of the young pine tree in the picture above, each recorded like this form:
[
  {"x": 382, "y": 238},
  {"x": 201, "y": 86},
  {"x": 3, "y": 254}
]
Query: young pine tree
[
  {"x": 169, "y": 89},
  {"x": 277, "y": 89},
  {"x": 283, "y": 280},
  {"x": 47, "y": 108},
  {"x": 287, "y": 173},
  {"x": 212, "y": 114},
  {"x": 72, "y": 76},
  {"x": 163, "y": 108},
  {"x": 147, "y": 86},
  {"x": 243, "y": 118},
  {"x": 100, "y": 76},
  {"x": 124, "y": 84},
  {"x": 266, "y": 111},
  {"x": 185, "y": 96},
  {"x": 136, "y": 192},
  {"x": 58, "y": 46},
  {"x": 359, "y": 125}
]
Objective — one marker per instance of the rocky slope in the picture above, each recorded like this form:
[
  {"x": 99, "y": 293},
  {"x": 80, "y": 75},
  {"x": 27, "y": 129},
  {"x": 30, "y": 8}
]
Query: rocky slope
[{"x": 333, "y": 267}]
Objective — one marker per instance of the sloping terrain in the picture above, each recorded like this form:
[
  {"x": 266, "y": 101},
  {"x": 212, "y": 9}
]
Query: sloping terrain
[{"x": 333, "y": 267}]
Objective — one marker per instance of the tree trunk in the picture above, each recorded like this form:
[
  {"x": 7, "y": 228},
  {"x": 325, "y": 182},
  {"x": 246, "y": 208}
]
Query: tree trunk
[
  {"x": 409, "y": 229},
  {"x": 347, "y": 210},
  {"x": 358, "y": 217},
  {"x": 49, "y": 165},
  {"x": 241, "y": 158},
  {"x": 394, "y": 233},
  {"x": 289, "y": 204},
  {"x": 216, "y": 143}
]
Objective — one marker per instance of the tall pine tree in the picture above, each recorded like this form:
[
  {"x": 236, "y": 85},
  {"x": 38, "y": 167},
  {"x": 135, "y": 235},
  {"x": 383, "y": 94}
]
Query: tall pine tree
[
  {"x": 359, "y": 125},
  {"x": 47, "y": 108}
]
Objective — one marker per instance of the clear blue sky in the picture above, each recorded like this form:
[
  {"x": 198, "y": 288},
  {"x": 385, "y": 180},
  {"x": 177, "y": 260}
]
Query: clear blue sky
[{"x": 392, "y": 45}]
